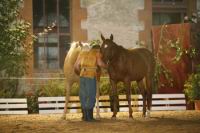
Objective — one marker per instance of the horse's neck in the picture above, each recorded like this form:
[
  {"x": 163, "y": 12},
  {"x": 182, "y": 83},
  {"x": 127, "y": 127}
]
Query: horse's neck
[{"x": 116, "y": 53}]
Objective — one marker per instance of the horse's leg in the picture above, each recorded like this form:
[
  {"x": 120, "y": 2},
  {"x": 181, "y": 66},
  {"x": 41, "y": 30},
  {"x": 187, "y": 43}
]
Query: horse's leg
[
  {"x": 149, "y": 102},
  {"x": 115, "y": 98},
  {"x": 97, "y": 100},
  {"x": 67, "y": 96},
  {"x": 141, "y": 86},
  {"x": 149, "y": 83},
  {"x": 128, "y": 97}
]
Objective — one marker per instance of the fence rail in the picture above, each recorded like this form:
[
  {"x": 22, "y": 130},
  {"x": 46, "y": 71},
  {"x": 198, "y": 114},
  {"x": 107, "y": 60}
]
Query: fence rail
[
  {"x": 159, "y": 102},
  {"x": 13, "y": 106},
  {"x": 51, "y": 105}
]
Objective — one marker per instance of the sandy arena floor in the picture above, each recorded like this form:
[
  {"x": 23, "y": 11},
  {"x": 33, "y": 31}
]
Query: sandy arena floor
[{"x": 160, "y": 122}]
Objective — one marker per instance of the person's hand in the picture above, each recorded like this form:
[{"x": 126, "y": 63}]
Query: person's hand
[{"x": 77, "y": 71}]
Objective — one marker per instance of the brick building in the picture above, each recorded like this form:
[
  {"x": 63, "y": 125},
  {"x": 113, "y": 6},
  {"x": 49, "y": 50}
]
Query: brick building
[{"x": 130, "y": 21}]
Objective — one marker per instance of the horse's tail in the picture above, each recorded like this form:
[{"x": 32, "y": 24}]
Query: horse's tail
[
  {"x": 153, "y": 83},
  {"x": 154, "y": 77}
]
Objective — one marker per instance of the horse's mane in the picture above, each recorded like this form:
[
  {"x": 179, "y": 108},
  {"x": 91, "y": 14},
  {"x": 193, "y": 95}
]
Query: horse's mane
[
  {"x": 73, "y": 52},
  {"x": 75, "y": 49},
  {"x": 117, "y": 50},
  {"x": 116, "y": 46},
  {"x": 120, "y": 48}
]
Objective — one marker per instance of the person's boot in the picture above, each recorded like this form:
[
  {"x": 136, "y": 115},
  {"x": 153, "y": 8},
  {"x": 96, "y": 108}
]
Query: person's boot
[
  {"x": 85, "y": 117},
  {"x": 88, "y": 115},
  {"x": 91, "y": 115}
]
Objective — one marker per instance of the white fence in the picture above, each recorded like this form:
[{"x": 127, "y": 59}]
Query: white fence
[
  {"x": 159, "y": 102},
  {"x": 56, "y": 104},
  {"x": 13, "y": 106},
  {"x": 51, "y": 105}
]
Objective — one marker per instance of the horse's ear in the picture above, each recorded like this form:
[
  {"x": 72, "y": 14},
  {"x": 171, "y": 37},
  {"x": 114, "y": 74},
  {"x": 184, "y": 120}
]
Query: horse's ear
[
  {"x": 111, "y": 37},
  {"x": 103, "y": 38}
]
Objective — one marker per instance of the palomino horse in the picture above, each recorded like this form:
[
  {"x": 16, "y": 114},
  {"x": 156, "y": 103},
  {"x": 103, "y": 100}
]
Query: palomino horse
[
  {"x": 70, "y": 75},
  {"x": 126, "y": 66}
]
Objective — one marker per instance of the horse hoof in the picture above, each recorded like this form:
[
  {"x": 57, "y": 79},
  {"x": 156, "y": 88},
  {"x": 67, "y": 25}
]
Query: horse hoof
[{"x": 148, "y": 115}]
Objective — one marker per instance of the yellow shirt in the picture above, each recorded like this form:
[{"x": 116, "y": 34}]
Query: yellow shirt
[{"x": 89, "y": 63}]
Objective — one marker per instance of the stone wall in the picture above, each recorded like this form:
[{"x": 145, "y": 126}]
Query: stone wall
[
  {"x": 198, "y": 4},
  {"x": 117, "y": 17},
  {"x": 198, "y": 8}
]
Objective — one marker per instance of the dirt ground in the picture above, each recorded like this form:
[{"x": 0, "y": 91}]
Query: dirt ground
[{"x": 160, "y": 122}]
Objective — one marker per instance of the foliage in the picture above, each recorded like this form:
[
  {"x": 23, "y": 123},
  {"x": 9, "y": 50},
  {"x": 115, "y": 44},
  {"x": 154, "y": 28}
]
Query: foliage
[
  {"x": 95, "y": 42},
  {"x": 14, "y": 51},
  {"x": 14, "y": 32},
  {"x": 32, "y": 101},
  {"x": 160, "y": 68},
  {"x": 192, "y": 86},
  {"x": 52, "y": 88},
  {"x": 56, "y": 88},
  {"x": 164, "y": 46},
  {"x": 105, "y": 87},
  {"x": 8, "y": 88},
  {"x": 180, "y": 51},
  {"x": 75, "y": 90}
]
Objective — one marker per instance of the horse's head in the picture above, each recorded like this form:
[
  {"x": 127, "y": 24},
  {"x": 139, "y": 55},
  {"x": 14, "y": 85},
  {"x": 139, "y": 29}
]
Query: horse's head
[
  {"x": 85, "y": 46},
  {"x": 88, "y": 46},
  {"x": 106, "y": 48}
]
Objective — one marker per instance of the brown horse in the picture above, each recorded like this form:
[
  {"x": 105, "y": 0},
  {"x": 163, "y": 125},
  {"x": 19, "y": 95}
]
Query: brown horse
[
  {"x": 70, "y": 75},
  {"x": 126, "y": 66}
]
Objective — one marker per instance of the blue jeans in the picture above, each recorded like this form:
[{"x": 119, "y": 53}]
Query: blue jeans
[{"x": 87, "y": 92}]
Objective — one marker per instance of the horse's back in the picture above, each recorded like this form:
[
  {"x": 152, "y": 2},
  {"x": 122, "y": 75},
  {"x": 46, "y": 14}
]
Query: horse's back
[
  {"x": 140, "y": 55},
  {"x": 137, "y": 63},
  {"x": 69, "y": 62},
  {"x": 143, "y": 55},
  {"x": 143, "y": 52}
]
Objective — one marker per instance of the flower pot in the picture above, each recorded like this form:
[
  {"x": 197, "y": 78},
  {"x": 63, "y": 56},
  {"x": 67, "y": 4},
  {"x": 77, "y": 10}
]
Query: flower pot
[{"x": 197, "y": 104}]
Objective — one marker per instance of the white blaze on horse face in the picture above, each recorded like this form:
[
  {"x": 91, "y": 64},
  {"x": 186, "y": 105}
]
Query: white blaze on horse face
[{"x": 105, "y": 46}]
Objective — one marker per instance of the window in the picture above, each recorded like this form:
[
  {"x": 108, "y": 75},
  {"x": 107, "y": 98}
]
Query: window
[
  {"x": 51, "y": 24},
  {"x": 168, "y": 11}
]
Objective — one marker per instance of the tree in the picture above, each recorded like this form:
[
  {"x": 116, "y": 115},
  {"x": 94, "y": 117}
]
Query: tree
[{"x": 14, "y": 50}]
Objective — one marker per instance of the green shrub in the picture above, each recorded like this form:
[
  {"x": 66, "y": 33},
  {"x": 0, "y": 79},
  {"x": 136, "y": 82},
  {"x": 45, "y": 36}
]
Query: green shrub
[
  {"x": 74, "y": 90},
  {"x": 192, "y": 86},
  {"x": 32, "y": 101},
  {"x": 57, "y": 88},
  {"x": 105, "y": 87},
  {"x": 8, "y": 88},
  {"x": 52, "y": 88}
]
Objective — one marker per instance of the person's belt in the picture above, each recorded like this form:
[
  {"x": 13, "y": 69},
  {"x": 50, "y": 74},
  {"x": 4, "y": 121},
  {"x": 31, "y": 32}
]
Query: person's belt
[{"x": 89, "y": 68}]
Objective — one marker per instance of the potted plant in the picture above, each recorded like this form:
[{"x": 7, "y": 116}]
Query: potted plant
[{"x": 192, "y": 88}]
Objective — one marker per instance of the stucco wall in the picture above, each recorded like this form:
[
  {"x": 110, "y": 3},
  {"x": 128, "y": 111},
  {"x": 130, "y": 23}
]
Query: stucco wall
[
  {"x": 119, "y": 17},
  {"x": 198, "y": 7}
]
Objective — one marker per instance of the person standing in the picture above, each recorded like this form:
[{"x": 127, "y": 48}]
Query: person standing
[{"x": 86, "y": 66}]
